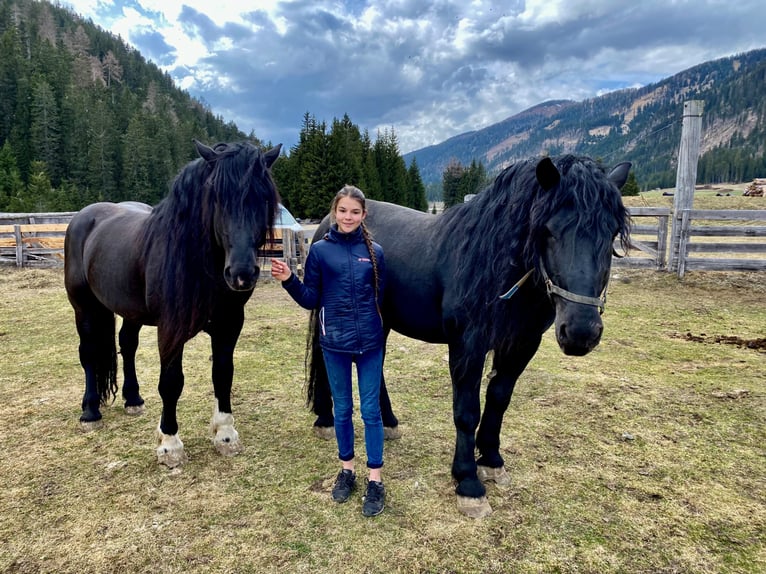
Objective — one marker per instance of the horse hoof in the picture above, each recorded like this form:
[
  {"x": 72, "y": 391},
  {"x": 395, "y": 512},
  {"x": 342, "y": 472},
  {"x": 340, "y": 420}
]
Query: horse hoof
[
  {"x": 497, "y": 475},
  {"x": 474, "y": 507},
  {"x": 392, "y": 433},
  {"x": 229, "y": 448},
  {"x": 325, "y": 433},
  {"x": 171, "y": 452},
  {"x": 89, "y": 426},
  {"x": 227, "y": 442},
  {"x": 134, "y": 410},
  {"x": 171, "y": 459}
]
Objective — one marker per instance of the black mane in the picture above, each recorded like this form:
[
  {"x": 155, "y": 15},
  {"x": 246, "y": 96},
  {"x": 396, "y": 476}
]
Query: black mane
[
  {"x": 181, "y": 236},
  {"x": 509, "y": 216}
]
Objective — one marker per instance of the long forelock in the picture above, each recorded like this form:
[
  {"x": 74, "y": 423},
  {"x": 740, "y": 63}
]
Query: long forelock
[{"x": 244, "y": 186}]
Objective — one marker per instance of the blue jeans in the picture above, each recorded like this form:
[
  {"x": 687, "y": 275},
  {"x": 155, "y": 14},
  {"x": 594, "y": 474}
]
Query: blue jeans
[{"x": 369, "y": 367}]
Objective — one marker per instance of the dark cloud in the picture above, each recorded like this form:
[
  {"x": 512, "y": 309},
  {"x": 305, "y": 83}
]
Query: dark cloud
[
  {"x": 153, "y": 46},
  {"x": 432, "y": 70}
]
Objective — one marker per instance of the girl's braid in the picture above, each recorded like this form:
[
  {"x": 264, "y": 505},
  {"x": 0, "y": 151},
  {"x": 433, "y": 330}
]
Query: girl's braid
[{"x": 375, "y": 276}]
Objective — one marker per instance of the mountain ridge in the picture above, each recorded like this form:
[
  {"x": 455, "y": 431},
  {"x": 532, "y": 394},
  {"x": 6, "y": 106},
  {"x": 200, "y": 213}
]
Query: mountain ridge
[{"x": 641, "y": 125}]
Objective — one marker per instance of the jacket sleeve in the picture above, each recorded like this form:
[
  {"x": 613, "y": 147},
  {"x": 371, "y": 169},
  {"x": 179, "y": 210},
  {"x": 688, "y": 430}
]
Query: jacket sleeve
[{"x": 308, "y": 294}]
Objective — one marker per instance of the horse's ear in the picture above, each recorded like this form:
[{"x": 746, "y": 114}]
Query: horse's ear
[
  {"x": 207, "y": 153},
  {"x": 547, "y": 175},
  {"x": 619, "y": 175},
  {"x": 271, "y": 156}
]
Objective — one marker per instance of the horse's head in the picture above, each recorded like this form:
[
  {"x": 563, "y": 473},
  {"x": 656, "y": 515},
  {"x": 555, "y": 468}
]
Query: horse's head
[
  {"x": 244, "y": 202},
  {"x": 583, "y": 215}
]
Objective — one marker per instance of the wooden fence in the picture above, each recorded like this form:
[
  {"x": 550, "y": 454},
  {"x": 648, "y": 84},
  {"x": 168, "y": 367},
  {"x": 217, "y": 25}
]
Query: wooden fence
[
  {"x": 33, "y": 239},
  {"x": 729, "y": 239},
  {"x": 37, "y": 240},
  {"x": 648, "y": 238},
  {"x": 733, "y": 246}
]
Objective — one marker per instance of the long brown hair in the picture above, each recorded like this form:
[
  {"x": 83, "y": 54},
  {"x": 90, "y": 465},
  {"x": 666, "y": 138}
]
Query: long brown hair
[{"x": 356, "y": 194}]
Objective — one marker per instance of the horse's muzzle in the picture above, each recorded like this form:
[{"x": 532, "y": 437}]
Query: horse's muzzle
[
  {"x": 578, "y": 333},
  {"x": 241, "y": 278}
]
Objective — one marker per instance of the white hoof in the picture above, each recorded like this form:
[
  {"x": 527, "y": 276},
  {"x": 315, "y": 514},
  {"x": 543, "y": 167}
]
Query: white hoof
[
  {"x": 325, "y": 433},
  {"x": 134, "y": 411},
  {"x": 90, "y": 426},
  {"x": 170, "y": 451},
  {"x": 392, "y": 433},
  {"x": 226, "y": 441},
  {"x": 225, "y": 436},
  {"x": 497, "y": 475},
  {"x": 474, "y": 507}
]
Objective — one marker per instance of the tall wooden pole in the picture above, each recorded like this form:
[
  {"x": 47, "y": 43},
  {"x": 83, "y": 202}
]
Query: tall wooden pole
[{"x": 686, "y": 176}]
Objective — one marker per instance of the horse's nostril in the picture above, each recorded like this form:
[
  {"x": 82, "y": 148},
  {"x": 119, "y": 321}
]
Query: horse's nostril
[{"x": 562, "y": 332}]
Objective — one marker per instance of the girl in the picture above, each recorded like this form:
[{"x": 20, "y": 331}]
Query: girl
[{"x": 344, "y": 279}]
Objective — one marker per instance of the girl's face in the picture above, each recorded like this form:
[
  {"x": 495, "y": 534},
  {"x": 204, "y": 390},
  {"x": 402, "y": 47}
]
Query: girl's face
[{"x": 349, "y": 214}]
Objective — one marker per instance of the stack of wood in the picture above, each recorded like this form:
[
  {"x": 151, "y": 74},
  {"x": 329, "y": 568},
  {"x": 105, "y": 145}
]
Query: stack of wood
[{"x": 755, "y": 189}]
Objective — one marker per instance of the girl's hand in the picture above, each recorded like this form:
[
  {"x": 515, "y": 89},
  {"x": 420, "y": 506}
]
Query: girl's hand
[{"x": 280, "y": 270}]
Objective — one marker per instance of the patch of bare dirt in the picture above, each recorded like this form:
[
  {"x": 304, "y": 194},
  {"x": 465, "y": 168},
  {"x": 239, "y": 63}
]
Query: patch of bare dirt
[{"x": 755, "y": 344}]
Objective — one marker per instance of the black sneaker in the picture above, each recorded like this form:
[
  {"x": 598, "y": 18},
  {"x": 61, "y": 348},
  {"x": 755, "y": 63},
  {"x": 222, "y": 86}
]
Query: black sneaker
[
  {"x": 375, "y": 499},
  {"x": 344, "y": 485}
]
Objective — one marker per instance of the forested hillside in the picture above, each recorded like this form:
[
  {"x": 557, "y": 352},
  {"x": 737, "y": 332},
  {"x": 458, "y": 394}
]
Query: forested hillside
[
  {"x": 639, "y": 125},
  {"x": 84, "y": 118}
]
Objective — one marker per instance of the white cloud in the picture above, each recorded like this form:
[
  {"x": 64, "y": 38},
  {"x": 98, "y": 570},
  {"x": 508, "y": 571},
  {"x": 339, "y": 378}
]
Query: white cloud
[{"x": 430, "y": 70}]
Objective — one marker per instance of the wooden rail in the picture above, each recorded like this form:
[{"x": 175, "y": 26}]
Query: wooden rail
[
  {"x": 32, "y": 244},
  {"x": 740, "y": 251},
  {"x": 724, "y": 240},
  {"x": 648, "y": 241}
]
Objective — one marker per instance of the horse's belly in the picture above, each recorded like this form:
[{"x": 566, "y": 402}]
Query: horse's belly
[
  {"x": 417, "y": 321},
  {"x": 421, "y": 333}
]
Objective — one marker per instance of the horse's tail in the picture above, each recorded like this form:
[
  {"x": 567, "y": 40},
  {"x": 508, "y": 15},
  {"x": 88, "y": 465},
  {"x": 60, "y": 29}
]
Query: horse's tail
[
  {"x": 318, "y": 396},
  {"x": 314, "y": 358},
  {"x": 106, "y": 362}
]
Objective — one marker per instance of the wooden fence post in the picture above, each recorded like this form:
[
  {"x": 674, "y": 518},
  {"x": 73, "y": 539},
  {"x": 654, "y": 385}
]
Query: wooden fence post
[{"x": 686, "y": 176}]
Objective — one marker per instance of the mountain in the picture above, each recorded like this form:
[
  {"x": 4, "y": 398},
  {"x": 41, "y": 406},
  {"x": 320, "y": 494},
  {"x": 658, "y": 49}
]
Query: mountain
[{"x": 641, "y": 125}]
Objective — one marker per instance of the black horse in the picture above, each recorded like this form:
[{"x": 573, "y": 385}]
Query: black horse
[
  {"x": 187, "y": 265},
  {"x": 493, "y": 274}
]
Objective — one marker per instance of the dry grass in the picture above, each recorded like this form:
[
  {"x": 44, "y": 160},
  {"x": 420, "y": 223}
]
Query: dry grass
[{"x": 645, "y": 456}]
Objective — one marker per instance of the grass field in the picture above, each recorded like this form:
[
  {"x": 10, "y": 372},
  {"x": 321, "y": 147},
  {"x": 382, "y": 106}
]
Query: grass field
[{"x": 646, "y": 456}]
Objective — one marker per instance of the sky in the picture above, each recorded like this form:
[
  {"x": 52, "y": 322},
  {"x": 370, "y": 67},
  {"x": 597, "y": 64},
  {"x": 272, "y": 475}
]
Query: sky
[{"x": 426, "y": 70}]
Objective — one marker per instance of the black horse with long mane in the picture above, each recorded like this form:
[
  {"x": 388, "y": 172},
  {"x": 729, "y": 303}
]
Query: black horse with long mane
[
  {"x": 187, "y": 265},
  {"x": 493, "y": 274}
]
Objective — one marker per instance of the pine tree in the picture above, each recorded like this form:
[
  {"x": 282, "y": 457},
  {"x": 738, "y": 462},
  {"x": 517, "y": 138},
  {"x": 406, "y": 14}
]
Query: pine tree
[
  {"x": 11, "y": 184},
  {"x": 631, "y": 186},
  {"x": 416, "y": 191},
  {"x": 46, "y": 128}
]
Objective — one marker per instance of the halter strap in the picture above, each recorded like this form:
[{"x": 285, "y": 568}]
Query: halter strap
[
  {"x": 599, "y": 302},
  {"x": 553, "y": 289}
]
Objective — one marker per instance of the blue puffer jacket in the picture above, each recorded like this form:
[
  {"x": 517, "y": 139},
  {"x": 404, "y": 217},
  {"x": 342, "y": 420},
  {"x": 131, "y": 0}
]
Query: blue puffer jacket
[{"x": 338, "y": 280}]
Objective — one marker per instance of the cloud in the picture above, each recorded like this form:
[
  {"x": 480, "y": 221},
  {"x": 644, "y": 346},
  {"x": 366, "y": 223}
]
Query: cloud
[{"x": 428, "y": 70}]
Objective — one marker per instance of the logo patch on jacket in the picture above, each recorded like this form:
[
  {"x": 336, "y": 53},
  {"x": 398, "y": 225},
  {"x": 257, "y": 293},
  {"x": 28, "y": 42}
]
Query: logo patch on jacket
[{"x": 364, "y": 260}]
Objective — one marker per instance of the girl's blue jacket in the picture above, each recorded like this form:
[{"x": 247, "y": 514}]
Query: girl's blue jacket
[{"x": 338, "y": 280}]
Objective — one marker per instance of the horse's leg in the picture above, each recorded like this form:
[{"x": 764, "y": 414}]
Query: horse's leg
[
  {"x": 321, "y": 397},
  {"x": 224, "y": 331},
  {"x": 170, "y": 449},
  {"x": 391, "y": 430},
  {"x": 507, "y": 369},
  {"x": 98, "y": 357},
  {"x": 134, "y": 404},
  {"x": 466, "y": 408}
]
